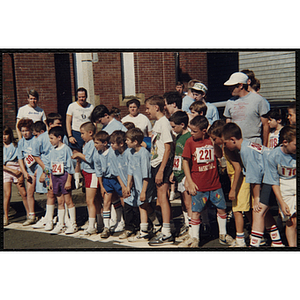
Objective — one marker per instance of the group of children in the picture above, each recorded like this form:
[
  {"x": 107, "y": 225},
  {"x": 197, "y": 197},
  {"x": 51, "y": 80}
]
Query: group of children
[{"x": 121, "y": 173}]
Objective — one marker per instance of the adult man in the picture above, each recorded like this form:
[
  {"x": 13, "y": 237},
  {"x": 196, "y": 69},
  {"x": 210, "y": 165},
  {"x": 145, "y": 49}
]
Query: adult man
[
  {"x": 77, "y": 113},
  {"x": 199, "y": 91},
  {"x": 138, "y": 119},
  {"x": 247, "y": 109},
  {"x": 189, "y": 98},
  {"x": 179, "y": 87},
  {"x": 30, "y": 110}
]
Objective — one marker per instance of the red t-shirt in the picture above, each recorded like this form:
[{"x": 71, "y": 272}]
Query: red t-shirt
[{"x": 204, "y": 169}]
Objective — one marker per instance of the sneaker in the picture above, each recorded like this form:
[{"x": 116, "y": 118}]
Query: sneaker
[
  {"x": 5, "y": 221},
  {"x": 183, "y": 230},
  {"x": 105, "y": 233},
  {"x": 277, "y": 245},
  {"x": 71, "y": 228},
  {"x": 85, "y": 226},
  {"x": 30, "y": 220},
  {"x": 172, "y": 196},
  {"x": 40, "y": 224},
  {"x": 49, "y": 225},
  {"x": 59, "y": 228},
  {"x": 139, "y": 237},
  {"x": 263, "y": 242},
  {"x": 187, "y": 242},
  {"x": 118, "y": 227},
  {"x": 161, "y": 239},
  {"x": 125, "y": 234},
  {"x": 195, "y": 243},
  {"x": 237, "y": 245},
  {"x": 225, "y": 239},
  {"x": 89, "y": 231}
]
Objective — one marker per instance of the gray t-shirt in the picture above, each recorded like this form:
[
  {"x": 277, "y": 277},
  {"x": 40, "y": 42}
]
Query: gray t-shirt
[{"x": 246, "y": 112}]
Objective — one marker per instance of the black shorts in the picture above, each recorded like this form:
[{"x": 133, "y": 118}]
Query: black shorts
[{"x": 267, "y": 196}]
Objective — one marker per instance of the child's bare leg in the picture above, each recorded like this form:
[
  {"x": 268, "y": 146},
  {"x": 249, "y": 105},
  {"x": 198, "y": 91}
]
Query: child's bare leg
[
  {"x": 30, "y": 194},
  {"x": 90, "y": 194},
  {"x": 61, "y": 208},
  {"x": 164, "y": 202},
  {"x": 187, "y": 200},
  {"x": 7, "y": 195},
  {"x": 291, "y": 231},
  {"x": 239, "y": 221},
  {"x": 258, "y": 225}
]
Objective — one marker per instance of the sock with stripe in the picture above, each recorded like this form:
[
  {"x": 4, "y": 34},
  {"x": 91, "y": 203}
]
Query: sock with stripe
[
  {"x": 275, "y": 235},
  {"x": 240, "y": 238},
  {"x": 195, "y": 228},
  {"x": 106, "y": 218},
  {"x": 119, "y": 210},
  {"x": 222, "y": 219},
  {"x": 255, "y": 238}
]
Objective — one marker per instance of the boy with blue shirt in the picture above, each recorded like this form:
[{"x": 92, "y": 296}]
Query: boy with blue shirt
[
  {"x": 139, "y": 172},
  {"x": 62, "y": 181},
  {"x": 92, "y": 193},
  {"x": 101, "y": 114},
  {"x": 280, "y": 172},
  {"x": 41, "y": 150},
  {"x": 253, "y": 156}
]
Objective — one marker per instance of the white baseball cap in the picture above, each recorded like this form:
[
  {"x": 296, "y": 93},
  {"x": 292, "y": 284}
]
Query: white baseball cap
[
  {"x": 237, "y": 77},
  {"x": 198, "y": 86}
]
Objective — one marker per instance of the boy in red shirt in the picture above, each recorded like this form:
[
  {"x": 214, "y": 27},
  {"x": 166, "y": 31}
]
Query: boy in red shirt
[{"x": 202, "y": 179}]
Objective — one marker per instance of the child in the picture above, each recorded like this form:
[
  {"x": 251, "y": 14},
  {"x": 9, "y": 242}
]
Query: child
[
  {"x": 161, "y": 165},
  {"x": 275, "y": 121},
  {"x": 110, "y": 183},
  {"x": 292, "y": 113},
  {"x": 179, "y": 123},
  {"x": 41, "y": 151},
  {"x": 253, "y": 162},
  {"x": 202, "y": 179},
  {"x": 11, "y": 172},
  {"x": 30, "y": 170},
  {"x": 61, "y": 180},
  {"x": 281, "y": 174},
  {"x": 116, "y": 113},
  {"x": 92, "y": 192},
  {"x": 239, "y": 192},
  {"x": 139, "y": 172},
  {"x": 197, "y": 108},
  {"x": 37, "y": 129}
]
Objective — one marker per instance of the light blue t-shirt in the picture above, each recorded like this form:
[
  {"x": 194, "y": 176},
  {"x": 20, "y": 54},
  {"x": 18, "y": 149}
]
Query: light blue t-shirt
[
  {"x": 140, "y": 168},
  {"x": 24, "y": 151},
  {"x": 279, "y": 165},
  {"x": 100, "y": 162},
  {"x": 63, "y": 156},
  {"x": 253, "y": 155},
  {"x": 10, "y": 153},
  {"x": 186, "y": 103},
  {"x": 89, "y": 151},
  {"x": 212, "y": 113},
  {"x": 246, "y": 113},
  {"x": 114, "y": 125}
]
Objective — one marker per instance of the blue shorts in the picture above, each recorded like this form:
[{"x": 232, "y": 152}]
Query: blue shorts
[
  {"x": 216, "y": 197},
  {"x": 79, "y": 144},
  {"x": 111, "y": 185}
]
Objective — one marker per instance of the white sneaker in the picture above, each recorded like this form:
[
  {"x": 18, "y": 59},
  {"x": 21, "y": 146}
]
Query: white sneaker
[
  {"x": 71, "y": 228},
  {"x": 30, "y": 220},
  {"x": 49, "y": 225},
  {"x": 235, "y": 244},
  {"x": 89, "y": 231},
  {"x": 40, "y": 224},
  {"x": 172, "y": 196},
  {"x": 59, "y": 228},
  {"x": 118, "y": 227}
]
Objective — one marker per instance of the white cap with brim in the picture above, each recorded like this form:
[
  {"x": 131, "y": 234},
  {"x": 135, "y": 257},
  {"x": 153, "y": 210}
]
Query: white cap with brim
[
  {"x": 198, "y": 86},
  {"x": 237, "y": 77}
]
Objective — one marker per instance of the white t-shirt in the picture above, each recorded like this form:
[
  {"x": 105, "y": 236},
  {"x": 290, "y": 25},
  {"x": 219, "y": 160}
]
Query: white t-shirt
[
  {"x": 79, "y": 114},
  {"x": 35, "y": 114},
  {"x": 140, "y": 121},
  {"x": 161, "y": 134}
]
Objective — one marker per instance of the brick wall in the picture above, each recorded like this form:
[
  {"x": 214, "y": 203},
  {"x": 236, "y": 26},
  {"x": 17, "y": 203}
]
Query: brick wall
[
  {"x": 9, "y": 109},
  {"x": 36, "y": 70}
]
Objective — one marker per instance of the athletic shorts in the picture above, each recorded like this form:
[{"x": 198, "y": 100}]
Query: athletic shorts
[
  {"x": 288, "y": 193},
  {"x": 58, "y": 184},
  {"x": 79, "y": 144},
  {"x": 111, "y": 185},
  {"x": 90, "y": 180},
  {"x": 7, "y": 177},
  {"x": 242, "y": 201},
  {"x": 216, "y": 197},
  {"x": 167, "y": 171}
]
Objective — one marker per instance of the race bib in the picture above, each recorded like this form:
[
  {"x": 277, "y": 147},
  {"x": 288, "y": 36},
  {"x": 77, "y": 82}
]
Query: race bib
[
  {"x": 256, "y": 147},
  {"x": 177, "y": 165},
  {"x": 29, "y": 159},
  {"x": 286, "y": 171},
  {"x": 58, "y": 168},
  {"x": 205, "y": 154}
]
